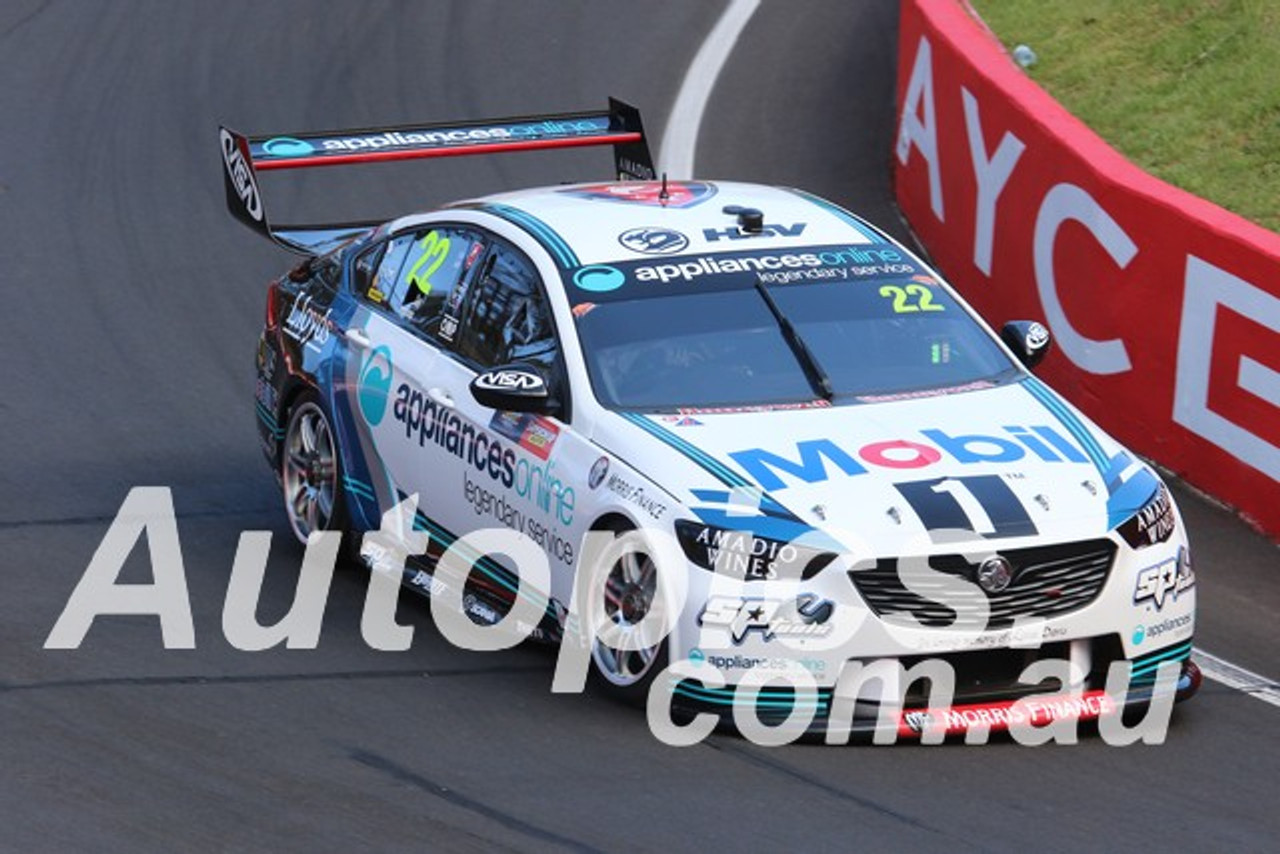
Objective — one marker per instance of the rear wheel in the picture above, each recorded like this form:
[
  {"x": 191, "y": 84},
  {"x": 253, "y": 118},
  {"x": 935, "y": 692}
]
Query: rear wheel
[{"x": 311, "y": 471}]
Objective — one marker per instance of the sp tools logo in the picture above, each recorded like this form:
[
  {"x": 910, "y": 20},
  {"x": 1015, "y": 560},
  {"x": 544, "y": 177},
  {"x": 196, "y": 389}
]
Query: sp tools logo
[
  {"x": 1165, "y": 580},
  {"x": 375, "y": 386},
  {"x": 240, "y": 176},
  {"x": 804, "y": 617}
]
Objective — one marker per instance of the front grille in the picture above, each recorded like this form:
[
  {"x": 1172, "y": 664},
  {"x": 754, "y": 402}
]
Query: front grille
[
  {"x": 988, "y": 675},
  {"x": 1048, "y": 581}
]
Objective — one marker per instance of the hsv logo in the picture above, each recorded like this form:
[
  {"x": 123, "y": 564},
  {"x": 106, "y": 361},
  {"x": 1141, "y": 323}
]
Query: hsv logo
[
  {"x": 735, "y": 233},
  {"x": 241, "y": 177},
  {"x": 680, "y": 194}
]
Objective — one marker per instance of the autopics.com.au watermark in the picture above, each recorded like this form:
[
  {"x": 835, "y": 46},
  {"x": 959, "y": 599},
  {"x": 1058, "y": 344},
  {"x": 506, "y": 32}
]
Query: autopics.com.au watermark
[{"x": 864, "y": 696}]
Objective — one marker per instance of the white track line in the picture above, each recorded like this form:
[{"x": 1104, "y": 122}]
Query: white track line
[
  {"x": 1232, "y": 676},
  {"x": 681, "y": 137}
]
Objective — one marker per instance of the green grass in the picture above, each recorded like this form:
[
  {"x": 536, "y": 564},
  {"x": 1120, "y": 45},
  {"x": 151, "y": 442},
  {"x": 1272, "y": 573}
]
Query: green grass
[{"x": 1187, "y": 89}]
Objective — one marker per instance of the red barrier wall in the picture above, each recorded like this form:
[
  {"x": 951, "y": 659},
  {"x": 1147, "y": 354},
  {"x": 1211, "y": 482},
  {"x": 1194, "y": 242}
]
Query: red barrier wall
[{"x": 1165, "y": 308}]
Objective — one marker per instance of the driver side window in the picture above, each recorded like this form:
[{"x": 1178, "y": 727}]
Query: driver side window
[
  {"x": 508, "y": 319},
  {"x": 420, "y": 278}
]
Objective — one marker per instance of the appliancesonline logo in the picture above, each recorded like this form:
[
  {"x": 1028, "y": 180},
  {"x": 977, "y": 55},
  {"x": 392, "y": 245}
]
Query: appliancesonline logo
[
  {"x": 815, "y": 263},
  {"x": 465, "y": 135},
  {"x": 287, "y": 146},
  {"x": 599, "y": 279},
  {"x": 375, "y": 386}
]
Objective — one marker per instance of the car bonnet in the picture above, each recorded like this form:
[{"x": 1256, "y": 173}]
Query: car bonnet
[{"x": 1008, "y": 461}]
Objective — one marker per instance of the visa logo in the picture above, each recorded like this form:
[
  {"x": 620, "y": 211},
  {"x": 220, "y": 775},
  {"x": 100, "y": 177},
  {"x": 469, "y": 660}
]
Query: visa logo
[{"x": 812, "y": 456}]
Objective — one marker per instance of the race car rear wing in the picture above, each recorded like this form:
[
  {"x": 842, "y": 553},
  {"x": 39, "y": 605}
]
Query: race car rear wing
[{"x": 244, "y": 157}]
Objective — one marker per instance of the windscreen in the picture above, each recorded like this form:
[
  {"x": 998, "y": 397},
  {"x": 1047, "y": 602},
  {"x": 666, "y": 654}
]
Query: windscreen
[{"x": 699, "y": 333}]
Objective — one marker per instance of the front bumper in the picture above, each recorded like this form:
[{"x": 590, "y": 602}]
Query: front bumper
[{"x": 982, "y": 698}]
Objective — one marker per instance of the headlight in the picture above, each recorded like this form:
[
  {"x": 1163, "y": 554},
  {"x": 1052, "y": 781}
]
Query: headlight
[
  {"x": 742, "y": 554},
  {"x": 1154, "y": 523}
]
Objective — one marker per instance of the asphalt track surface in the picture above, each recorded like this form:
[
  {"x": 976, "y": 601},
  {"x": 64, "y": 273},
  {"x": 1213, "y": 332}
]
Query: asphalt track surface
[{"x": 132, "y": 303}]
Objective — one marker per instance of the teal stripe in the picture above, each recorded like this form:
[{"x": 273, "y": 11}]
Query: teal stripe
[
  {"x": 269, "y": 420},
  {"x": 1185, "y": 646},
  {"x": 1148, "y": 664},
  {"x": 565, "y": 256},
  {"x": 701, "y": 457},
  {"x": 722, "y": 472},
  {"x": 265, "y": 414},
  {"x": 360, "y": 488},
  {"x": 445, "y": 539},
  {"x": 1069, "y": 422},
  {"x": 841, "y": 214},
  {"x": 765, "y": 699}
]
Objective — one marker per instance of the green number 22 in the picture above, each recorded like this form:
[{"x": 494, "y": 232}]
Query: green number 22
[
  {"x": 434, "y": 250},
  {"x": 902, "y": 298}
]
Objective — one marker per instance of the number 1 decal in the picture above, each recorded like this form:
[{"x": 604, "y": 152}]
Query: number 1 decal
[
  {"x": 969, "y": 504},
  {"x": 983, "y": 504}
]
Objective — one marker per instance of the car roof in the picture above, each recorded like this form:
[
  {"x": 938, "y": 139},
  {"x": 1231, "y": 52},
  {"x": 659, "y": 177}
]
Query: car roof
[{"x": 592, "y": 219}]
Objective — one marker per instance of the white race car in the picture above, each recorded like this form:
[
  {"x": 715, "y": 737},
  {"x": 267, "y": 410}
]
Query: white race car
[{"x": 823, "y": 456}]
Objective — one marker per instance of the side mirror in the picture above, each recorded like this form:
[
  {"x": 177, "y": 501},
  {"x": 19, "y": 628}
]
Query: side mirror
[
  {"x": 1028, "y": 339},
  {"x": 514, "y": 388}
]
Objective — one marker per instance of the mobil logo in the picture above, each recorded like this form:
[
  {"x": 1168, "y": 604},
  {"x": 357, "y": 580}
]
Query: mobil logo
[{"x": 809, "y": 461}]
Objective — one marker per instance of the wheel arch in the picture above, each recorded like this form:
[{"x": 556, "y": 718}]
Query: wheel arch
[
  {"x": 614, "y": 520},
  {"x": 294, "y": 388}
]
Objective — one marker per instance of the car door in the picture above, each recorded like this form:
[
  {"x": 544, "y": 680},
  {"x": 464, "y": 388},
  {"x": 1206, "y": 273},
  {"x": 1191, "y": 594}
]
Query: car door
[
  {"x": 520, "y": 470},
  {"x": 408, "y": 287}
]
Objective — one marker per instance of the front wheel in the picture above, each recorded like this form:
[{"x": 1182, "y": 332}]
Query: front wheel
[
  {"x": 628, "y": 664},
  {"x": 311, "y": 471}
]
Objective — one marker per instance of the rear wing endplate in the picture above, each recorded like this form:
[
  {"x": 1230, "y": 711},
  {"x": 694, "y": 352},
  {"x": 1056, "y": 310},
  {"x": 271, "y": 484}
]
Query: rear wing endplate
[{"x": 244, "y": 157}]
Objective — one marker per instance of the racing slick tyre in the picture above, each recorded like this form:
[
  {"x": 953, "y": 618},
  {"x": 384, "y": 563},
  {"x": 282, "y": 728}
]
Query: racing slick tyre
[
  {"x": 311, "y": 470},
  {"x": 629, "y": 594}
]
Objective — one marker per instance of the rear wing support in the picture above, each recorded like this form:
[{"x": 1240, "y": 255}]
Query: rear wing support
[{"x": 244, "y": 157}]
